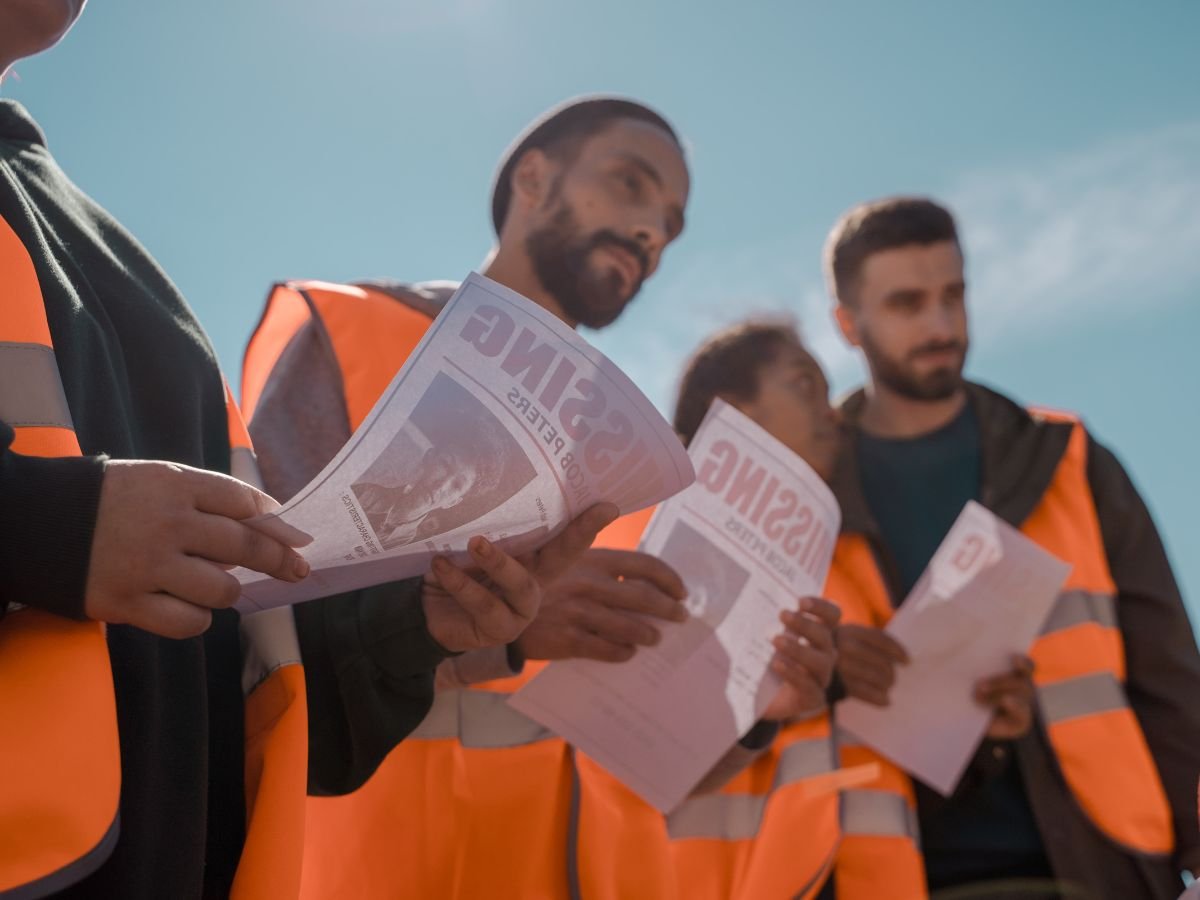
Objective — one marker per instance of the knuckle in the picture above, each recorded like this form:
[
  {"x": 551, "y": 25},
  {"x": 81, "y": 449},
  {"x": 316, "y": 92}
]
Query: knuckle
[
  {"x": 229, "y": 592},
  {"x": 526, "y": 583}
]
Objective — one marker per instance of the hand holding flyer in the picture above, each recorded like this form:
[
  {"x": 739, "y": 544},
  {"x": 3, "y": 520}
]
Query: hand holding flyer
[
  {"x": 753, "y": 535},
  {"x": 503, "y": 423},
  {"x": 984, "y": 597}
]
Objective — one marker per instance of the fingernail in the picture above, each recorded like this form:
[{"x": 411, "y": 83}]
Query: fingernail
[
  {"x": 610, "y": 515},
  {"x": 483, "y": 548},
  {"x": 441, "y": 565},
  {"x": 681, "y": 613},
  {"x": 300, "y": 567}
]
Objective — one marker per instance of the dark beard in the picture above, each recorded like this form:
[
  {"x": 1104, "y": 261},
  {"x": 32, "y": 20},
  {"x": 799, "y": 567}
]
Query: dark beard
[
  {"x": 940, "y": 384},
  {"x": 560, "y": 260}
]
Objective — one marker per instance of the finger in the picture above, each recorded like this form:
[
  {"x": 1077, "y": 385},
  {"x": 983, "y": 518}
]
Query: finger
[
  {"x": 881, "y": 643},
  {"x": 514, "y": 583},
  {"x": 615, "y": 627},
  {"x": 816, "y": 632},
  {"x": 199, "y": 582},
  {"x": 1022, "y": 664},
  {"x": 490, "y": 615},
  {"x": 224, "y": 495},
  {"x": 795, "y": 674},
  {"x": 1011, "y": 707},
  {"x": 1007, "y": 701},
  {"x": 868, "y": 693},
  {"x": 227, "y": 541},
  {"x": 559, "y": 553},
  {"x": 631, "y": 564},
  {"x": 868, "y": 660},
  {"x": 636, "y": 595},
  {"x": 810, "y": 670},
  {"x": 261, "y": 553},
  {"x": 855, "y": 670},
  {"x": 828, "y": 612},
  {"x": 818, "y": 660},
  {"x": 1004, "y": 684},
  {"x": 592, "y": 646},
  {"x": 167, "y": 616}
]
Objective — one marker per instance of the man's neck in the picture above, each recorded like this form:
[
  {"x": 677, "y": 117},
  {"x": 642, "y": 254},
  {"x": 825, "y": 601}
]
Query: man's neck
[
  {"x": 888, "y": 414},
  {"x": 515, "y": 272}
]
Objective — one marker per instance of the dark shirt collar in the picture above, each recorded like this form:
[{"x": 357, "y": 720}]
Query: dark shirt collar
[{"x": 1020, "y": 454}]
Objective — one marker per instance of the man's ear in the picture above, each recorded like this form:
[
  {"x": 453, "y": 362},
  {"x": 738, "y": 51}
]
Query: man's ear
[
  {"x": 847, "y": 323},
  {"x": 531, "y": 179}
]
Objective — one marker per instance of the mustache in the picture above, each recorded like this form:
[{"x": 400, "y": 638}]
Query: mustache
[
  {"x": 937, "y": 347},
  {"x": 633, "y": 248}
]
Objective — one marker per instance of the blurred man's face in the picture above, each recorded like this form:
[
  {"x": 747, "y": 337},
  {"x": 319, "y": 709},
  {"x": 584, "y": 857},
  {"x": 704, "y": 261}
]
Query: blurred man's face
[
  {"x": 909, "y": 318},
  {"x": 607, "y": 219},
  {"x": 31, "y": 26},
  {"x": 793, "y": 406}
]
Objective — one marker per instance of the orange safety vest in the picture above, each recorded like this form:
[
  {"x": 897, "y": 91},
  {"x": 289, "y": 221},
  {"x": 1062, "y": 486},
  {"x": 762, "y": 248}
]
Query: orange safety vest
[
  {"x": 58, "y": 724},
  {"x": 775, "y": 838},
  {"x": 1079, "y": 678},
  {"x": 481, "y": 801},
  {"x": 770, "y": 832},
  {"x": 421, "y": 826}
]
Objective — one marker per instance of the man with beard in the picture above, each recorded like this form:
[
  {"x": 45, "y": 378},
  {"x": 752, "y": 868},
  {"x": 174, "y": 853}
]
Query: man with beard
[
  {"x": 1098, "y": 797},
  {"x": 584, "y": 204}
]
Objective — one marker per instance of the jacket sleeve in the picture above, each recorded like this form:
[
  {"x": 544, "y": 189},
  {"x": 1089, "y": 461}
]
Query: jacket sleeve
[
  {"x": 369, "y": 666},
  {"x": 368, "y": 657},
  {"x": 1163, "y": 666},
  {"x": 47, "y": 516}
]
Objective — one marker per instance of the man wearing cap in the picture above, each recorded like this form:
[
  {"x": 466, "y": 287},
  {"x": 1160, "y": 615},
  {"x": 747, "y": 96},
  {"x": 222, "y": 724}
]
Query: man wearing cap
[
  {"x": 585, "y": 203},
  {"x": 479, "y": 801}
]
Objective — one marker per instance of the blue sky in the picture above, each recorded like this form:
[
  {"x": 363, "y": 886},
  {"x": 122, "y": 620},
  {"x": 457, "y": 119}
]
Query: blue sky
[{"x": 249, "y": 141}]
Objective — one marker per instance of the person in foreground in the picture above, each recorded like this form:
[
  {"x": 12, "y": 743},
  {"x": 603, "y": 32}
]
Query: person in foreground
[{"x": 134, "y": 765}]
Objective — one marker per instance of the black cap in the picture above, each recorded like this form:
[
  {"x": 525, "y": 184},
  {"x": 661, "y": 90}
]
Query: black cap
[{"x": 586, "y": 115}]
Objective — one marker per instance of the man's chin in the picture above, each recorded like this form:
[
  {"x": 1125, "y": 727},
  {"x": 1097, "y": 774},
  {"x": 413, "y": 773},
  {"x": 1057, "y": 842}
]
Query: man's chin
[
  {"x": 595, "y": 313},
  {"x": 941, "y": 385}
]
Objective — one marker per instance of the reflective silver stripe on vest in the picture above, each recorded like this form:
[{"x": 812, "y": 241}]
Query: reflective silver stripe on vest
[
  {"x": 735, "y": 817},
  {"x": 868, "y": 813},
  {"x": 1083, "y": 696},
  {"x": 31, "y": 392},
  {"x": 243, "y": 465},
  {"x": 1078, "y": 607},
  {"x": 481, "y": 720}
]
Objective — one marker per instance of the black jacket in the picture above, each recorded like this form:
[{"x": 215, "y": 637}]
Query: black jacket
[{"x": 142, "y": 382}]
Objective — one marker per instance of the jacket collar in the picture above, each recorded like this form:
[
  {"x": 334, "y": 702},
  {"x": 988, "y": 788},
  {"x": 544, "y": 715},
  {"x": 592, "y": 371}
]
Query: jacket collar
[{"x": 1020, "y": 455}]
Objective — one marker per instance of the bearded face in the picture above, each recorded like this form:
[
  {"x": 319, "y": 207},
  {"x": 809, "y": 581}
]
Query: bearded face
[{"x": 592, "y": 276}]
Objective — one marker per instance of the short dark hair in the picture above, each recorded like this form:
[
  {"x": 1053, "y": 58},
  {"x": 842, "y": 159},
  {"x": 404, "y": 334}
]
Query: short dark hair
[
  {"x": 560, "y": 131},
  {"x": 730, "y": 362},
  {"x": 879, "y": 225}
]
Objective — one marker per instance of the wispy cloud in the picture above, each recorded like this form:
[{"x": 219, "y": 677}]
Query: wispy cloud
[
  {"x": 1103, "y": 233},
  {"x": 1108, "y": 233}
]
